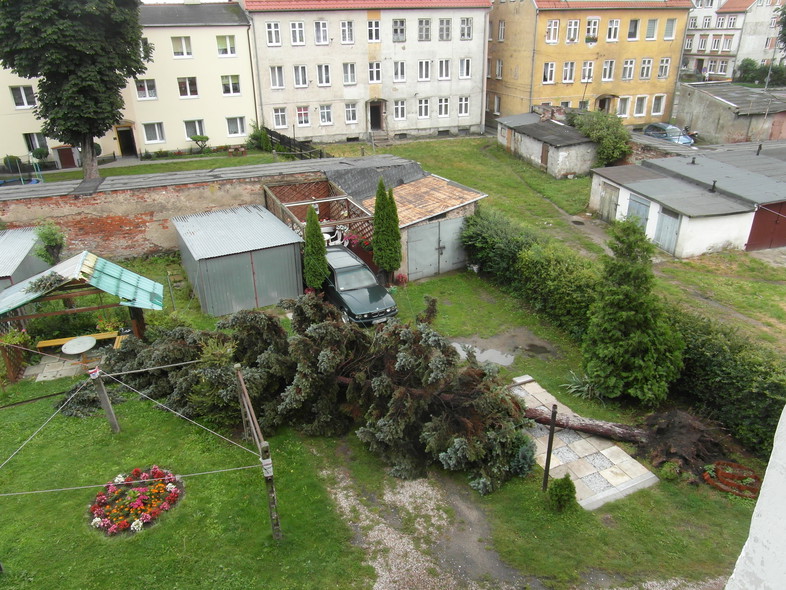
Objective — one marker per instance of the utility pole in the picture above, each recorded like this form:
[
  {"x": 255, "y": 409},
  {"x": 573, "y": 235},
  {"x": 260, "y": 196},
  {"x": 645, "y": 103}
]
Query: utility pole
[
  {"x": 264, "y": 453},
  {"x": 106, "y": 403}
]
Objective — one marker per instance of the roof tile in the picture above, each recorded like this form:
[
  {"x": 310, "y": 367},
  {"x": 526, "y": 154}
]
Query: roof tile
[{"x": 293, "y": 5}]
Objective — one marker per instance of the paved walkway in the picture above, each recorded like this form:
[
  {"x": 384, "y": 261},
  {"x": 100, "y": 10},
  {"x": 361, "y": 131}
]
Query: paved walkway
[
  {"x": 600, "y": 470},
  {"x": 62, "y": 365}
]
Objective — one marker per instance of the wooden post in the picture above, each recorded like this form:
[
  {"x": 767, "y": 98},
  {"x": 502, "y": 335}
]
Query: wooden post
[
  {"x": 550, "y": 445},
  {"x": 106, "y": 403},
  {"x": 264, "y": 454}
]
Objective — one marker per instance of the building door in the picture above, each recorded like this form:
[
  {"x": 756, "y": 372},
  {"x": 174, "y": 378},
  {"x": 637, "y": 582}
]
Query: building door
[
  {"x": 375, "y": 115},
  {"x": 66, "y": 157},
  {"x": 667, "y": 229},
  {"x": 435, "y": 248},
  {"x": 769, "y": 227},
  {"x": 609, "y": 199},
  {"x": 639, "y": 209},
  {"x": 125, "y": 138},
  {"x": 603, "y": 104}
]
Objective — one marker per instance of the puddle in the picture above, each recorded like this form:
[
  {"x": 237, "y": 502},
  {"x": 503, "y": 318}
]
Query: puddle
[
  {"x": 485, "y": 356},
  {"x": 577, "y": 222},
  {"x": 537, "y": 349}
]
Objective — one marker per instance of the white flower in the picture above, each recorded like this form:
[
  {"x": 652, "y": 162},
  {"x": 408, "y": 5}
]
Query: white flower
[
  {"x": 120, "y": 478},
  {"x": 136, "y": 526},
  {"x": 96, "y": 522},
  {"x": 170, "y": 487}
]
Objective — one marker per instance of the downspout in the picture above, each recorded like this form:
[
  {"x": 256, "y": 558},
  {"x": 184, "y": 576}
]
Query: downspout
[
  {"x": 532, "y": 59},
  {"x": 255, "y": 79}
]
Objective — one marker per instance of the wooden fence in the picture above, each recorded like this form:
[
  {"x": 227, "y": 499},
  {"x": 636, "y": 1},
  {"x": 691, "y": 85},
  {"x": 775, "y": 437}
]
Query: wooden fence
[{"x": 299, "y": 149}]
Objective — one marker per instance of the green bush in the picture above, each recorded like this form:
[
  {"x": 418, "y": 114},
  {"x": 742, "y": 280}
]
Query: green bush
[
  {"x": 40, "y": 153},
  {"x": 12, "y": 163},
  {"x": 561, "y": 494},
  {"x": 607, "y": 131},
  {"x": 259, "y": 139}
]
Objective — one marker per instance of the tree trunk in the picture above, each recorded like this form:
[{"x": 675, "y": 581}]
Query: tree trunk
[
  {"x": 610, "y": 430},
  {"x": 89, "y": 160}
]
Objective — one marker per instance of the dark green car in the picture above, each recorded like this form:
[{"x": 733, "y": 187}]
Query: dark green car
[{"x": 353, "y": 288}]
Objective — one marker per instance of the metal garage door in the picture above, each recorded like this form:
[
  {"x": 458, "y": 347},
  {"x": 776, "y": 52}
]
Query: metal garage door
[
  {"x": 435, "y": 248},
  {"x": 667, "y": 230},
  {"x": 639, "y": 209},
  {"x": 769, "y": 227}
]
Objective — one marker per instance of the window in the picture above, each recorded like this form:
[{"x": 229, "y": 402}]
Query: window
[
  {"x": 727, "y": 44},
  {"x": 154, "y": 132},
  {"x": 145, "y": 90},
  {"x": 723, "y": 66},
  {"x": 181, "y": 46},
  {"x": 652, "y": 29},
  {"x": 374, "y": 72},
  {"x": 323, "y": 75},
  {"x": 347, "y": 31},
  {"x": 613, "y": 32},
  {"x": 497, "y": 104},
  {"x": 351, "y": 112},
  {"x": 399, "y": 110},
  {"x": 303, "y": 117},
  {"x": 592, "y": 30},
  {"x": 276, "y": 76},
  {"x": 226, "y": 45},
  {"x": 400, "y": 72},
  {"x": 443, "y": 107},
  {"x": 325, "y": 114},
  {"x": 424, "y": 29},
  {"x": 423, "y": 108},
  {"x": 488, "y": 67},
  {"x": 671, "y": 26},
  {"x": 640, "y": 106},
  {"x": 444, "y": 69},
  {"x": 706, "y": 22},
  {"x": 663, "y": 67},
  {"x": 399, "y": 30},
  {"x": 693, "y": 23},
  {"x": 501, "y": 31},
  {"x": 548, "y": 72},
  {"x": 565, "y": 103},
  {"x": 297, "y": 32},
  {"x": 572, "y": 34},
  {"x": 465, "y": 68},
  {"x": 373, "y": 31},
  {"x": 195, "y": 127},
  {"x": 424, "y": 70},
  {"x": 645, "y": 72},
  {"x": 187, "y": 87},
  {"x": 587, "y": 70},
  {"x": 627, "y": 69},
  {"x": 584, "y": 105},
  {"x": 445, "y": 25},
  {"x": 720, "y": 23},
  {"x": 280, "y": 117},
  {"x": 463, "y": 106},
  {"x": 711, "y": 66},
  {"x": 273, "y": 34},
  {"x": 658, "y": 102},
  {"x": 236, "y": 125},
  {"x": 230, "y": 85},
  {"x": 568, "y": 71},
  {"x": 349, "y": 74},
  {"x": 769, "y": 43},
  {"x": 688, "y": 43},
  {"x": 623, "y": 104},
  {"x": 608, "y": 70},
  {"x": 321, "y": 33},
  {"x": 465, "y": 29},
  {"x": 702, "y": 43},
  {"x": 301, "y": 77},
  {"x": 732, "y": 22},
  {"x": 499, "y": 69},
  {"x": 633, "y": 29},
  {"x": 552, "y": 31},
  {"x": 34, "y": 141},
  {"x": 716, "y": 44}
]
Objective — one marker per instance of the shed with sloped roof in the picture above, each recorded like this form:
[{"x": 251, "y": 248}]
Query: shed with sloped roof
[{"x": 17, "y": 256}]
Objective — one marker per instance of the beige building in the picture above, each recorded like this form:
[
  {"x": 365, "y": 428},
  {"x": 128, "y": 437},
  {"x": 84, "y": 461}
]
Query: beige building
[{"x": 620, "y": 57}]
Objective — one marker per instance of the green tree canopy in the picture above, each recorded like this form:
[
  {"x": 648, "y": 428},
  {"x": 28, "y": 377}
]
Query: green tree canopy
[
  {"x": 83, "y": 52},
  {"x": 387, "y": 236},
  {"x": 629, "y": 348},
  {"x": 606, "y": 130},
  {"x": 315, "y": 268}
]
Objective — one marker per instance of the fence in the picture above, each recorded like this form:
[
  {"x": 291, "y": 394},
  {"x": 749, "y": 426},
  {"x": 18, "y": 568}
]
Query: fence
[{"x": 300, "y": 149}]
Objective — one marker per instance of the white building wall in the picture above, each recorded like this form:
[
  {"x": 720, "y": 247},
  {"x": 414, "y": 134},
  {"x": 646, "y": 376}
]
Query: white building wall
[
  {"x": 361, "y": 52},
  {"x": 757, "y": 29},
  {"x": 761, "y": 565}
]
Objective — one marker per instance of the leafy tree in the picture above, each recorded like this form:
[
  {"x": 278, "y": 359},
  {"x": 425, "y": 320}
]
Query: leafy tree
[
  {"x": 52, "y": 241},
  {"x": 82, "y": 52},
  {"x": 387, "y": 236},
  {"x": 200, "y": 141},
  {"x": 606, "y": 130},
  {"x": 780, "y": 13},
  {"x": 315, "y": 267},
  {"x": 629, "y": 348}
]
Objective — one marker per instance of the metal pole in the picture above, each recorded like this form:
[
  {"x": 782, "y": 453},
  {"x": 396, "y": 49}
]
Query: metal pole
[
  {"x": 550, "y": 445},
  {"x": 106, "y": 403}
]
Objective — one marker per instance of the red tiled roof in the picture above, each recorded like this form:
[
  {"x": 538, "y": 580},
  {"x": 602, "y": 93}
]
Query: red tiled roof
[
  {"x": 736, "y": 6},
  {"x": 610, "y": 4},
  {"x": 293, "y": 5}
]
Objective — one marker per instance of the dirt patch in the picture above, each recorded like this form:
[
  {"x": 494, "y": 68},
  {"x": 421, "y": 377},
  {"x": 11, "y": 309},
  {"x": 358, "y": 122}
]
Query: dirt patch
[
  {"x": 519, "y": 341},
  {"x": 774, "y": 256}
]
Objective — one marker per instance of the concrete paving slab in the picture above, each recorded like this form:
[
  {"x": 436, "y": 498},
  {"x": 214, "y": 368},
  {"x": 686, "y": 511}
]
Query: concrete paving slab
[
  {"x": 582, "y": 448},
  {"x": 633, "y": 468},
  {"x": 615, "y": 476},
  {"x": 583, "y": 491},
  {"x": 616, "y": 454},
  {"x": 581, "y": 468}
]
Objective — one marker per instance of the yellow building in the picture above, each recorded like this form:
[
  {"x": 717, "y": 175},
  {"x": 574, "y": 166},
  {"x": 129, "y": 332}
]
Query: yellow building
[{"x": 615, "y": 56}]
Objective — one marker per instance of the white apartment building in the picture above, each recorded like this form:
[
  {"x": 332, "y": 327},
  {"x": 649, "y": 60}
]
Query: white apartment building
[{"x": 333, "y": 70}]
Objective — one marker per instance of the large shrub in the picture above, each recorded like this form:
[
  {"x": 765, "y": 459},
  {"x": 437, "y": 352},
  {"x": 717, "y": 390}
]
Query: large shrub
[{"x": 607, "y": 131}]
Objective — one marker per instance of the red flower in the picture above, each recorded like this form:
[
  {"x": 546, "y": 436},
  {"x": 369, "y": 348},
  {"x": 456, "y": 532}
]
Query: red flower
[
  {"x": 136, "y": 473},
  {"x": 123, "y": 525}
]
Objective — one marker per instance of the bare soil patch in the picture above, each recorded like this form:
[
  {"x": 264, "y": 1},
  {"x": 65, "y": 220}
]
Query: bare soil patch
[{"x": 519, "y": 341}]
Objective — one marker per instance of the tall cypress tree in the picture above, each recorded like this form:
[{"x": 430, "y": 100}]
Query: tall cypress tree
[
  {"x": 387, "y": 236},
  {"x": 315, "y": 267}
]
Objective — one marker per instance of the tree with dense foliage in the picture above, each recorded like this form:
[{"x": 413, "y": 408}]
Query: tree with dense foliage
[
  {"x": 629, "y": 348},
  {"x": 51, "y": 241},
  {"x": 82, "y": 52},
  {"x": 607, "y": 131},
  {"x": 315, "y": 266},
  {"x": 780, "y": 13},
  {"x": 387, "y": 235}
]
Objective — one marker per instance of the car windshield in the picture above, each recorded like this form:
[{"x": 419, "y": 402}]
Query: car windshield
[
  {"x": 355, "y": 278},
  {"x": 673, "y": 132}
]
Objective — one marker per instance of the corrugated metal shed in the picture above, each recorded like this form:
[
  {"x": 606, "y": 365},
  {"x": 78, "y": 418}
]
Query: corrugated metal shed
[
  {"x": 133, "y": 289},
  {"x": 15, "y": 246}
]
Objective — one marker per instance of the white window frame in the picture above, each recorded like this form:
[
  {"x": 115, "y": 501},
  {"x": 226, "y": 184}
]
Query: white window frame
[
  {"x": 463, "y": 106},
  {"x": 399, "y": 110},
  {"x": 424, "y": 29},
  {"x": 350, "y": 113},
  {"x": 669, "y": 31},
  {"x": 501, "y": 31},
  {"x": 552, "y": 31},
  {"x": 640, "y": 106},
  {"x": 568, "y": 72},
  {"x": 645, "y": 69},
  {"x": 158, "y": 128},
  {"x": 445, "y": 29},
  {"x": 399, "y": 71},
  {"x": 297, "y": 33},
  {"x": 623, "y": 101},
  {"x": 399, "y": 30},
  {"x": 145, "y": 89},
  {"x": 497, "y": 104},
  {"x": 723, "y": 66},
  {"x": 424, "y": 108},
  {"x": 424, "y": 70},
  {"x": 664, "y": 68},
  {"x": 613, "y": 30},
  {"x": 321, "y": 35},
  {"x": 706, "y": 22},
  {"x": 198, "y": 125},
  {"x": 689, "y": 43},
  {"x": 634, "y": 26},
  {"x": 347, "y": 32},
  {"x": 652, "y": 29},
  {"x": 715, "y": 46},
  {"x": 374, "y": 72},
  {"x": 300, "y": 76},
  {"x": 228, "y": 49},
  {"x": 323, "y": 74},
  {"x": 181, "y": 47},
  {"x": 325, "y": 114},
  {"x": 587, "y": 70},
  {"x": 726, "y": 44},
  {"x": 591, "y": 31},
  {"x": 350, "y": 73},
  {"x": 499, "y": 69},
  {"x": 280, "y": 117},
  {"x": 702, "y": 44},
  {"x": 273, "y": 32},
  {"x": 303, "y": 116},
  {"x": 465, "y": 68},
  {"x": 443, "y": 107},
  {"x": 443, "y": 69},
  {"x": 187, "y": 81},
  {"x": 465, "y": 29},
  {"x": 240, "y": 124},
  {"x": 658, "y": 100},
  {"x": 548, "y": 72},
  {"x": 607, "y": 75},
  {"x": 572, "y": 31},
  {"x": 720, "y": 22},
  {"x": 276, "y": 77},
  {"x": 693, "y": 22},
  {"x": 373, "y": 31},
  {"x": 628, "y": 69},
  {"x": 232, "y": 83},
  {"x": 732, "y": 21}
]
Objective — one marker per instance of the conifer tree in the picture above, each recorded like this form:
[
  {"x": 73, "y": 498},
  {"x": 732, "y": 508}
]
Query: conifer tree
[
  {"x": 387, "y": 236},
  {"x": 315, "y": 268}
]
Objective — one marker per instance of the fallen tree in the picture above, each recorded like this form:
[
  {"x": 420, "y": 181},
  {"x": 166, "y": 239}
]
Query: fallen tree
[{"x": 612, "y": 430}]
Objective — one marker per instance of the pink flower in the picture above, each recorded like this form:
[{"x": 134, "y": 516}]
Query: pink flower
[
  {"x": 144, "y": 476},
  {"x": 165, "y": 506},
  {"x": 113, "y": 529},
  {"x": 105, "y": 523},
  {"x": 145, "y": 517},
  {"x": 111, "y": 488}
]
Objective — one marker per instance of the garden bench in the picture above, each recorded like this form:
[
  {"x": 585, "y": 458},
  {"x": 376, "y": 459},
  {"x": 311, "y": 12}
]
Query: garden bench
[
  {"x": 61, "y": 341},
  {"x": 119, "y": 340}
]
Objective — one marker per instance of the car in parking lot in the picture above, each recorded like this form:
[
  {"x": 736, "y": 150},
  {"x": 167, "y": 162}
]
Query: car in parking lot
[
  {"x": 353, "y": 288},
  {"x": 668, "y": 132}
]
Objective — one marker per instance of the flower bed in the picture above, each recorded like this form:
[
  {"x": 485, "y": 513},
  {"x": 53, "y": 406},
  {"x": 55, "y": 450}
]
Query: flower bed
[
  {"x": 132, "y": 502},
  {"x": 733, "y": 478}
]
